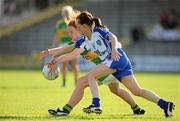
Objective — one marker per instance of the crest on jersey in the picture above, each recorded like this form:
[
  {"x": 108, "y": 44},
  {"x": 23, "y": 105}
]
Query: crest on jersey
[{"x": 99, "y": 42}]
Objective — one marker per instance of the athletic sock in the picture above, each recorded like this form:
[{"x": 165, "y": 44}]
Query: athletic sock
[
  {"x": 136, "y": 107},
  {"x": 64, "y": 83},
  {"x": 75, "y": 81},
  {"x": 162, "y": 104},
  {"x": 96, "y": 102},
  {"x": 67, "y": 108}
]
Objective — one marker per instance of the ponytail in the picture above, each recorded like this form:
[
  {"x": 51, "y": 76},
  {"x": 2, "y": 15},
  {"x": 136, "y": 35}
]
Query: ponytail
[
  {"x": 97, "y": 22},
  {"x": 87, "y": 18}
]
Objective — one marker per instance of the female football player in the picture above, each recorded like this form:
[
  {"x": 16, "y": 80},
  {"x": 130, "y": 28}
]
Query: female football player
[
  {"x": 82, "y": 83},
  {"x": 114, "y": 60},
  {"x": 62, "y": 38}
]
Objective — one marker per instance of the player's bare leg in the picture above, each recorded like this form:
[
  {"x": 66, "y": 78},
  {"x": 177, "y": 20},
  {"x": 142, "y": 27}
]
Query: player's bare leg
[
  {"x": 126, "y": 96},
  {"x": 98, "y": 71},
  {"x": 64, "y": 71},
  {"x": 131, "y": 83},
  {"x": 75, "y": 98},
  {"x": 78, "y": 93},
  {"x": 75, "y": 69}
]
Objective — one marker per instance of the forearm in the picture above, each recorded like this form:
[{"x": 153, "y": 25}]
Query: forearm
[
  {"x": 54, "y": 51},
  {"x": 113, "y": 40},
  {"x": 69, "y": 56},
  {"x": 64, "y": 50},
  {"x": 64, "y": 58}
]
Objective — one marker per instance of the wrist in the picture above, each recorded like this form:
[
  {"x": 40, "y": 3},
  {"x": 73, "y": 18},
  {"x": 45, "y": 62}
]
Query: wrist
[
  {"x": 55, "y": 61},
  {"x": 50, "y": 51},
  {"x": 114, "y": 50}
]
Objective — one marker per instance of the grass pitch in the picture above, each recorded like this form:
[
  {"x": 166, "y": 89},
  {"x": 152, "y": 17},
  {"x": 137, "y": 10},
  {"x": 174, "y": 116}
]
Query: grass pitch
[{"x": 26, "y": 96}]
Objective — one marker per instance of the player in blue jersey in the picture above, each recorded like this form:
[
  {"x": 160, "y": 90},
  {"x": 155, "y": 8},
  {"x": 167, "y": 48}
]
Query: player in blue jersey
[
  {"x": 99, "y": 40},
  {"x": 104, "y": 43}
]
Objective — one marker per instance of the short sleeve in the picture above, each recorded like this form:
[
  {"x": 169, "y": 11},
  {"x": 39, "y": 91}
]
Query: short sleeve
[
  {"x": 79, "y": 42},
  {"x": 103, "y": 32}
]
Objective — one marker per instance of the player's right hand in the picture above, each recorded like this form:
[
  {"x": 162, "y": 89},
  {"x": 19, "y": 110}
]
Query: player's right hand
[
  {"x": 52, "y": 65},
  {"x": 43, "y": 53},
  {"x": 115, "y": 55}
]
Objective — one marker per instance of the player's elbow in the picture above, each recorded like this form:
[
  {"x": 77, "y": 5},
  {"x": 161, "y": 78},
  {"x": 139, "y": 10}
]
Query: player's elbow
[{"x": 113, "y": 37}]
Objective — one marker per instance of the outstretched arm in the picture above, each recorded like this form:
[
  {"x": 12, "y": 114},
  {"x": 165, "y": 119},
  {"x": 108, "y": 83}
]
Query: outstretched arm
[
  {"x": 64, "y": 50},
  {"x": 68, "y": 56},
  {"x": 56, "y": 51}
]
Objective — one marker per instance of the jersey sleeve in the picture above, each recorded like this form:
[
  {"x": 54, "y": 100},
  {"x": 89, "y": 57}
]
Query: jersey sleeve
[
  {"x": 103, "y": 32},
  {"x": 79, "y": 42}
]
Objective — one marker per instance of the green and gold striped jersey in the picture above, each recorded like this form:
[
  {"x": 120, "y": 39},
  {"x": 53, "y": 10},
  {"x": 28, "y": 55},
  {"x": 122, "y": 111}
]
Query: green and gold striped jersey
[
  {"x": 93, "y": 57},
  {"x": 62, "y": 32}
]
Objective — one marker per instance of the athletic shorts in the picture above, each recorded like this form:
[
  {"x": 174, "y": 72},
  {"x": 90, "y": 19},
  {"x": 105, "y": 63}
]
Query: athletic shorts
[
  {"x": 107, "y": 79},
  {"x": 123, "y": 66},
  {"x": 122, "y": 73}
]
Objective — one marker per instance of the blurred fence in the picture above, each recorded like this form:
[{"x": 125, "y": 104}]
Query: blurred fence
[{"x": 121, "y": 16}]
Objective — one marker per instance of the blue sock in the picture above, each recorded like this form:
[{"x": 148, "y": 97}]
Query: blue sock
[
  {"x": 96, "y": 102},
  {"x": 163, "y": 104}
]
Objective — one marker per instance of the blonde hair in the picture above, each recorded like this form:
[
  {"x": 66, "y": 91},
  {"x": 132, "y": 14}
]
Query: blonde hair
[{"x": 69, "y": 13}]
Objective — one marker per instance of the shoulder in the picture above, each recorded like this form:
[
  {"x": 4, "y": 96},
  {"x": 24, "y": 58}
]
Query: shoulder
[
  {"x": 60, "y": 23},
  {"x": 104, "y": 32},
  {"x": 79, "y": 41},
  {"x": 100, "y": 30}
]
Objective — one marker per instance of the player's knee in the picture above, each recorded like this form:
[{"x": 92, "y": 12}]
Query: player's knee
[
  {"x": 137, "y": 92},
  {"x": 82, "y": 82},
  {"x": 91, "y": 76},
  {"x": 114, "y": 90}
]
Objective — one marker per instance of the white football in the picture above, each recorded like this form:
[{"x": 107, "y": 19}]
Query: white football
[{"x": 50, "y": 75}]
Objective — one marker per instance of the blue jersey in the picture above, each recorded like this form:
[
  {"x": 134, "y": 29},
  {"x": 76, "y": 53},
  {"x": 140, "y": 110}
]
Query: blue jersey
[{"x": 99, "y": 43}]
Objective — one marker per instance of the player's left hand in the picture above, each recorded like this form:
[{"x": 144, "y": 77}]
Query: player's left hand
[
  {"x": 43, "y": 53},
  {"x": 115, "y": 55}
]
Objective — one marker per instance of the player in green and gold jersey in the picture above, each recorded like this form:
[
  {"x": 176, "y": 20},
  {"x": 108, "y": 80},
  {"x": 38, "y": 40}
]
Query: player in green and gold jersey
[{"x": 62, "y": 38}]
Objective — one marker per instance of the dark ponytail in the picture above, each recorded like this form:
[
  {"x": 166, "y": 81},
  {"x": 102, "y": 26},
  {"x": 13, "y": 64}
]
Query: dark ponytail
[
  {"x": 97, "y": 22},
  {"x": 87, "y": 18}
]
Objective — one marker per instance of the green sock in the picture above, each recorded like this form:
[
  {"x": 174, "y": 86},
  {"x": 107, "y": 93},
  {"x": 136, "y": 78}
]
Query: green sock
[
  {"x": 136, "y": 107},
  {"x": 67, "y": 108},
  {"x": 64, "y": 82}
]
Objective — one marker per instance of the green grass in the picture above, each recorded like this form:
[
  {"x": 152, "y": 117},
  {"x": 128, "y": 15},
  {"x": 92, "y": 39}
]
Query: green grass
[{"x": 26, "y": 95}]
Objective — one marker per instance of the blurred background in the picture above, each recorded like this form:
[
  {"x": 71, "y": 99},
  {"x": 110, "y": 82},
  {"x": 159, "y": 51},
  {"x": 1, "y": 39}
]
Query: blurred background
[{"x": 149, "y": 30}]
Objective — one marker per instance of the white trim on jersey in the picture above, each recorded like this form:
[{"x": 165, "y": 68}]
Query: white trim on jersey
[{"x": 107, "y": 62}]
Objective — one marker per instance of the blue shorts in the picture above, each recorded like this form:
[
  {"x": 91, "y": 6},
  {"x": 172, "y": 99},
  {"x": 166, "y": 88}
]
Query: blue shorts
[
  {"x": 122, "y": 73},
  {"x": 121, "y": 63},
  {"x": 123, "y": 66}
]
